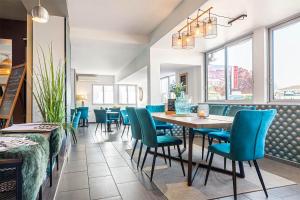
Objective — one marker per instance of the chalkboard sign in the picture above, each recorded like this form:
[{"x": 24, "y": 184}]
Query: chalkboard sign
[
  {"x": 171, "y": 104},
  {"x": 12, "y": 91}
]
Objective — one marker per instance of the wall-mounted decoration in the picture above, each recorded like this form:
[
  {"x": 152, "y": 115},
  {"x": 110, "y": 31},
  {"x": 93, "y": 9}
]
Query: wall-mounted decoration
[
  {"x": 183, "y": 78},
  {"x": 141, "y": 94},
  {"x": 5, "y": 62}
]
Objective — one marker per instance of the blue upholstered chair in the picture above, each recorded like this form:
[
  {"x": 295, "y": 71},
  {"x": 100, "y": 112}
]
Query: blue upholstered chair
[
  {"x": 125, "y": 121},
  {"x": 247, "y": 141},
  {"x": 101, "y": 118},
  {"x": 151, "y": 140},
  {"x": 159, "y": 124},
  {"x": 213, "y": 110},
  {"x": 84, "y": 115},
  {"x": 115, "y": 118},
  {"x": 224, "y": 135},
  {"x": 75, "y": 124},
  {"x": 73, "y": 111}
]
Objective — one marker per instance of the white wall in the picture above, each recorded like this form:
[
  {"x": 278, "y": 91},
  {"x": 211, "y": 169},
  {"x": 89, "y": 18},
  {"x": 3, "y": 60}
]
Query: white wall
[{"x": 43, "y": 36}]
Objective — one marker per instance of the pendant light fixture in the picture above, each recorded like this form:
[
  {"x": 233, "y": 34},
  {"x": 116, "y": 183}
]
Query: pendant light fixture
[
  {"x": 188, "y": 40},
  {"x": 39, "y": 14},
  {"x": 177, "y": 41},
  {"x": 210, "y": 27},
  {"x": 197, "y": 27}
]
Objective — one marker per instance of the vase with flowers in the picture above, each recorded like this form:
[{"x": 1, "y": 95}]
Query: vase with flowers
[{"x": 182, "y": 106}]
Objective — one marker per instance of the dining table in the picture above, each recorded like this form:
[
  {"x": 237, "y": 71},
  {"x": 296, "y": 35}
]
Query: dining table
[{"x": 192, "y": 121}]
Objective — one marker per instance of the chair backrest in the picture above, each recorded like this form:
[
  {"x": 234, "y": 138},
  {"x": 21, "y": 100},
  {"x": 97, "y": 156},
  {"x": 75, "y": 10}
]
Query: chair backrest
[
  {"x": 156, "y": 108},
  {"x": 232, "y": 110},
  {"x": 217, "y": 109},
  {"x": 149, "y": 137},
  {"x": 134, "y": 123},
  {"x": 84, "y": 112},
  {"x": 124, "y": 116},
  {"x": 75, "y": 120},
  {"x": 115, "y": 116},
  {"x": 100, "y": 116},
  {"x": 248, "y": 134}
]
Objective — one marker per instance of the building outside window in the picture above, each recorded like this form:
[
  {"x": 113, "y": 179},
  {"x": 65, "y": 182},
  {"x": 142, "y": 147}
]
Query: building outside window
[
  {"x": 127, "y": 94},
  {"x": 284, "y": 61},
  {"x": 229, "y": 72},
  {"x": 103, "y": 94}
]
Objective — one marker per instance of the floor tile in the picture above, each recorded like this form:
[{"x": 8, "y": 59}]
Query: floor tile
[
  {"x": 74, "y": 181},
  {"x": 98, "y": 169},
  {"x": 75, "y": 166},
  {"x": 74, "y": 195},
  {"x": 103, "y": 187},
  {"x": 116, "y": 162},
  {"x": 123, "y": 174}
]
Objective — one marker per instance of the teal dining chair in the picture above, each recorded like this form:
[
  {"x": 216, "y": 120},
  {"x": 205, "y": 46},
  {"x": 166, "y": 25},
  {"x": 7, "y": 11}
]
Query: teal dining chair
[
  {"x": 75, "y": 124},
  {"x": 84, "y": 115},
  {"x": 159, "y": 124},
  {"x": 213, "y": 110},
  {"x": 224, "y": 135},
  {"x": 151, "y": 140},
  {"x": 247, "y": 142},
  {"x": 136, "y": 133},
  {"x": 101, "y": 118},
  {"x": 125, "y": 121},
  {"x": 115, "y": 118}
]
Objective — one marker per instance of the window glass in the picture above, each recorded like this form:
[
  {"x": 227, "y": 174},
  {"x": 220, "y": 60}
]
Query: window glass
[
  {"x": 239, "y": 71},
  {"x": 97, "y": 94},
  {"x": 108, "y": 91},
  {"x": 131, "y": 95},
  {"x": 285, "y": 61},
  {"x": 216, "y": 75},
  {"x": 122, "y": 94}
]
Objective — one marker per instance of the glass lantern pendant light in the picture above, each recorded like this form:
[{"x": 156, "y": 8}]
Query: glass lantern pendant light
[
  {"x": 39, "y": 14},
  {"x": 197, "y": 27},
  {"x": 210, "y": 27},
  {"x": 177, "y": 41},
  {"x": 188, "y": 40}
]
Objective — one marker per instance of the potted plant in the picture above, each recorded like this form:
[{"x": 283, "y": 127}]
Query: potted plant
[{"x": 178, "y": 89}]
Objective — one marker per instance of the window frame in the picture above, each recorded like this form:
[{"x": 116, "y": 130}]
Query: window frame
[
  {"x": 135, "y": 86},
  {"x": 103, "y": 94},
  {"x": 277, "y": 26},
  {"x": 224, "y": 47}
]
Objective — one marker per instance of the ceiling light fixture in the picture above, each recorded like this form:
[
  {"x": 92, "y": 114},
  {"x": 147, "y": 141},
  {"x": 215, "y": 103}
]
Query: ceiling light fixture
[
  {"x": 197, "y": 27},
  {"x": 39, "y": 14}
]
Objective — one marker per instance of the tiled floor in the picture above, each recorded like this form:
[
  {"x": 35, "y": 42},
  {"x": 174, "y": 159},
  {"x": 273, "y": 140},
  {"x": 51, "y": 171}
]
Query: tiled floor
[{"x": 99, "y": 168}]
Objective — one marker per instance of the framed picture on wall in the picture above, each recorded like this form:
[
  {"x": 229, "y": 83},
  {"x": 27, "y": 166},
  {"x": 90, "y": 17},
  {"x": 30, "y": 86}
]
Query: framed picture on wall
[{"x": 183, "y": 78}]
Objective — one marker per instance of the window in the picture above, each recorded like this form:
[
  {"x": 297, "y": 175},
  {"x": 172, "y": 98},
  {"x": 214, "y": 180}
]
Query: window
[
  {"x": 165, "y": 84},
  {"x": 103, "y": 94},
  {"x": 229, "y": 72},
  {"x": 127, "y": 94},
  {"x": 284, "y": 59}
]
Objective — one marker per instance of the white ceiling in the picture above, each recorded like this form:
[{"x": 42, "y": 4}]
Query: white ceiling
[
  {"x": 107, "y": 35},
  {"x": 260, "y": 13}
]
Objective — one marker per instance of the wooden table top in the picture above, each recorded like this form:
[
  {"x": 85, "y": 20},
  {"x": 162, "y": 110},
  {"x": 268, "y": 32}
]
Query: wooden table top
[
  {"x": 193, "y": 121},
  {"x": 30, "y": 128}
]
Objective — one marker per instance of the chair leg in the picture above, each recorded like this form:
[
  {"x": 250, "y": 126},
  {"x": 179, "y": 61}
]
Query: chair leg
[
  {"x": 210, "y": 143},
  {"x": 136, "y": 141},
  {"x": 209, "y": 167},
  {"x": 171, "y": 132},
  {"x": 163, "y": 150},
  {"x": 260, "y": 177},
  {"x": 234, "y": 179},
  {"x": 123, "y": 130},
  {"x": 153, "y": 163},
  {"x": 141, "y": 148},
  {"x": 96, "y": 128},
  {"x": 169, "y": 155},
  {"x": 249, "y": 163},
  {"x": 41, "y": 193},
  {"x": 101, "y": 127},
  {"x": 57, "y": 162},
  {"x": 181, "y": 161},
  {"x": 225, "y": 163},
  {"x": 145, "y": 156},
  {"x": 203, "y": 143},
  {"x": 128, "y": 127}
]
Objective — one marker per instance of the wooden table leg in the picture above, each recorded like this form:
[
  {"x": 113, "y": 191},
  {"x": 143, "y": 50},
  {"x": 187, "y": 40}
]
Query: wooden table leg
[{"x": 190, "y": 157}]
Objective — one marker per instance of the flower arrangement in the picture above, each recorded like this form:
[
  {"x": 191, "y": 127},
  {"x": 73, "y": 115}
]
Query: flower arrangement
[{"x": 177, "y": 89}]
